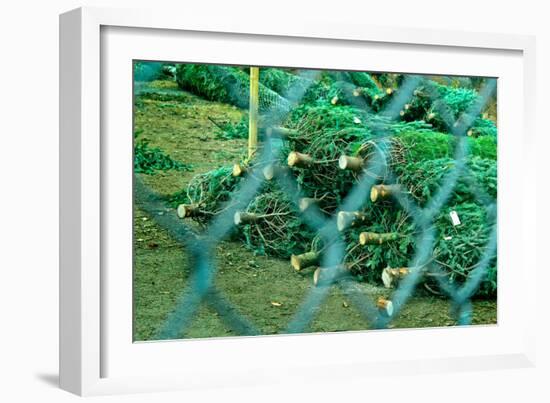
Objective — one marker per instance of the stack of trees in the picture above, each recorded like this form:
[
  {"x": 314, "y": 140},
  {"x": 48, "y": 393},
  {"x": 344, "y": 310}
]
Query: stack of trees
[{"x": 328, "y": 143}]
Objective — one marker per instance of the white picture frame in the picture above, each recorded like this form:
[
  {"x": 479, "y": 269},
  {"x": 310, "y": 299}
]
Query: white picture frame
[{"x": 94, "y": 346}]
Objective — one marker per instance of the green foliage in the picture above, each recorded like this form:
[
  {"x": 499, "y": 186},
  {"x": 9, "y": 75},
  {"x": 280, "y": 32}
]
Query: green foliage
[
  {"x": 321, "y": 91},
  {"x": 458, "y": 100},
  {"x": 484, "y": 128},
  {"x": 454, "y": 100},
  {"x": 427, "y": 145},
  {"x": 148, "y": 160},
  {"x": 368, "y": 261},
  {"x": 459, "y": 248},
  {"x": 280, "y": 232},
  {"x": 423, "y": 179},
  {"x": 330, "y": 88},
  {"x": 210, "y": 190},
  {"x": 226, "y": 84},
  {"x": 432, "y": 145},
  {"x": 230, "y": 131},
  {"x": 484, "y": 173},
  {"x": 383, "y": 126},
  {"x": 311, "y": 119},
  {"x": 215, "y": 83},
  {"x": 275, "y": 79},
  {"x": 281, "y": 80},
  {"x": 364, "y": 80},
  {"x": 388, "y": 80},
  {"x": 325, "y": 132},
  {"x": 484, "y": 146},
  {"x": 347, "y": 88},
  {"x": 488, "y": 287},
  {"x": 450, "y": 103}
]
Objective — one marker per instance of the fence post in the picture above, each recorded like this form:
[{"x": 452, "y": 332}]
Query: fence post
[{"x": 253, "y": 111}]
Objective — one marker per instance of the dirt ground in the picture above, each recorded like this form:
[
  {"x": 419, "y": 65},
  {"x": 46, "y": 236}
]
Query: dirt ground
[{"x": 265, "y": 290}]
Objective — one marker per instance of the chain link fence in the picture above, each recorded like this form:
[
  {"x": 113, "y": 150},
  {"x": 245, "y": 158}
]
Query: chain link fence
[{"x": 201, "y": 289}]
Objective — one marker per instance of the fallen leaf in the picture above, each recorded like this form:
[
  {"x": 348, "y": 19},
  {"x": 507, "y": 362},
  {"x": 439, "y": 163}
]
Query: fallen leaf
[
  {"x": 345, "y": 304},
  {"x": 274, "y": 303}
]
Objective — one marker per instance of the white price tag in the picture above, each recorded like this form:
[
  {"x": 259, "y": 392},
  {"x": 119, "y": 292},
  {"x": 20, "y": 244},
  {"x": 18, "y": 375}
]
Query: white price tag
[{"x": 454, "y": 218}]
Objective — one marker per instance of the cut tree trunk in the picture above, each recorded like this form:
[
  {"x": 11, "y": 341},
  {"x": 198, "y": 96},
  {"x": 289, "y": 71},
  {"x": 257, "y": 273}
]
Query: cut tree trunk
[
  {"x": 370, "y": 238},
  {"x": 323, "y": 275},
  {"x": 306, "y": 202},
  {"x": 308, "y": 259},
  {"x": 381, "y": 192},
  {"x": 269, "y": 171},
  {"x": 296, "y": 159},
  {"x": 385, "y": 306},
  {"x": 238, "y": 170},
  {"x": 242, "y": 217},
  {"x": 351, "y": 163},
  {"x": 347, "y": 219},
  {"x": 188, "y": 210},
  {"x": 391, "y": 275},
  {"x": 272, "y": 170}
]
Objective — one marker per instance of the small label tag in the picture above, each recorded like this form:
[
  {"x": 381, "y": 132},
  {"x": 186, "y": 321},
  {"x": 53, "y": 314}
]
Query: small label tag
[{"x": 454, "y": 218}]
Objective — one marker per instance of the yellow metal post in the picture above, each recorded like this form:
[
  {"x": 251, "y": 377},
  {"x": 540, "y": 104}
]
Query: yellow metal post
[{"x": 253, "y": 111}]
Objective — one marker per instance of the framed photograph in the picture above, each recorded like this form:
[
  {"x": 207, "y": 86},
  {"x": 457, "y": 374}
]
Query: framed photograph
[{"x": 242, "y": 203}]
